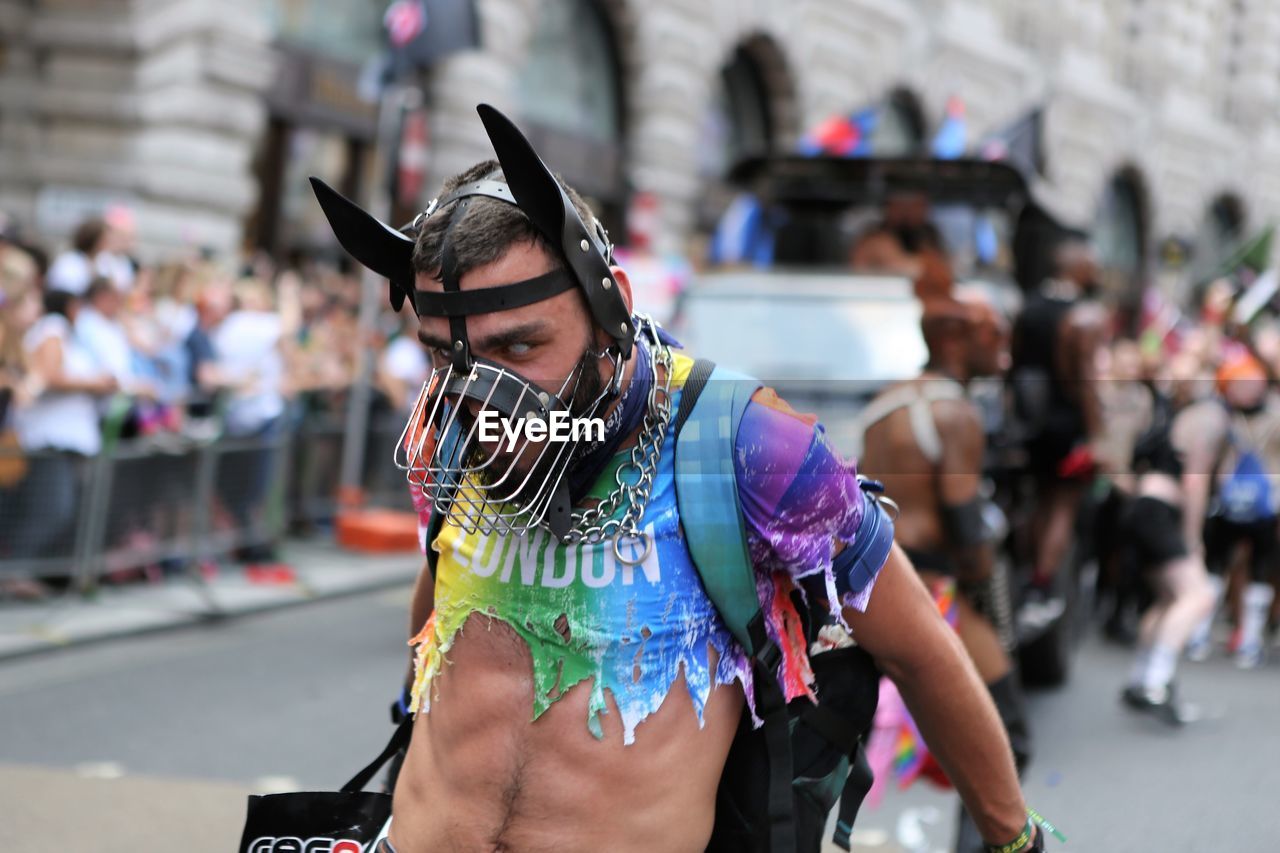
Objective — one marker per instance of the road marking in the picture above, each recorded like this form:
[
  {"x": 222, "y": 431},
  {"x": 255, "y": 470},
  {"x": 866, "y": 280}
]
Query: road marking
[
  {"x": 911, "y": 834},
  {"x": 869, "y": 838},
  {"x": 275, "y": 784},
  {"x": 100, "y": 770}
]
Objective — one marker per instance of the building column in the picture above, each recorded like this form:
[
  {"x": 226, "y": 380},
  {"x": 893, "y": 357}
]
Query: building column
[
  {"x": 669, "y": 96},
  {"x": 154, "y": 104}
]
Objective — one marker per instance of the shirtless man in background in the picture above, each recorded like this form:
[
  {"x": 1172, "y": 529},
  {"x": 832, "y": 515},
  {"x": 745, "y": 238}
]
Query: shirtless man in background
[{"x": 924, "y": 440}]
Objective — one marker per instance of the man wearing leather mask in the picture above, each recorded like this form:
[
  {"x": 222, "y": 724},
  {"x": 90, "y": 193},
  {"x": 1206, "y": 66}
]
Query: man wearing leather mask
[{"x": 574, "y": 684}]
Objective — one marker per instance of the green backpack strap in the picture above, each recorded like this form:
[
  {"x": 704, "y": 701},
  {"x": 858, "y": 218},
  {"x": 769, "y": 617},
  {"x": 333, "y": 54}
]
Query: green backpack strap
[{"x": 712, "y": 403}]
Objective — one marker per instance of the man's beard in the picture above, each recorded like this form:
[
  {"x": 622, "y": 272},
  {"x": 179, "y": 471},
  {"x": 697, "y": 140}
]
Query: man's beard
[{"x": 549, "y": 458}]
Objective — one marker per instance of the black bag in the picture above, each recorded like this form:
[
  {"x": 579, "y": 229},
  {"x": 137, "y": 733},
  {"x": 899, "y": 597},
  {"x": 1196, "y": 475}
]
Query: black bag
[
  {"x": 781, "y": 780},
  {"x": 345, "y": 821},
  {"x": 828, "y": 762}
]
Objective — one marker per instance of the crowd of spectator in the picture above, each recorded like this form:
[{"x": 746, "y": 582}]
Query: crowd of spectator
[{"x": 97, "y": 346}]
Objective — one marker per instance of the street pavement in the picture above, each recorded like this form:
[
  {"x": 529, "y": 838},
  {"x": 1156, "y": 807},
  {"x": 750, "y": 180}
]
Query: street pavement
[{"x": 151, "y": 743}]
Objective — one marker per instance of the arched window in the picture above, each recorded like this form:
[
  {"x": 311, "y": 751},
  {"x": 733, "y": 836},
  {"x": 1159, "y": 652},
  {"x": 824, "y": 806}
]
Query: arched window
[
  {"x": 570, "y": 96},
  {"x": 738, "y": 123},
  {"x": 569, "y": 81},
  {"x": 1221, "y": 231},
  {"x": 1223, "y": 224},
  {"x": 1120, "y": 235},
  {"x": 746, "y": 116},
  {"x": 899, "y": 129}
]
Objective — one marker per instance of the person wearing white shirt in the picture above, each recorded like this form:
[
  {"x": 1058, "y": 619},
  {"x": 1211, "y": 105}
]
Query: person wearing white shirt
[
  {"x": 100, "y": 331},
  {"x": 247, "y": 345},
  {"x": 403, "y": 367},
  {"x": 73, "y": 270},
  {"x": 61, "y": 422}
]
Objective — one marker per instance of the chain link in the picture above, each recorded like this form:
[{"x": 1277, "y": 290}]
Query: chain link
[{"x": 635, "y": 476}]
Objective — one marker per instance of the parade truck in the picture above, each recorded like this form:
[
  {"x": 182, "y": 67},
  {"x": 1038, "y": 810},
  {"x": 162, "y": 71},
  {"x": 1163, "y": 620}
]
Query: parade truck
[{"x": 819, "y": 268}]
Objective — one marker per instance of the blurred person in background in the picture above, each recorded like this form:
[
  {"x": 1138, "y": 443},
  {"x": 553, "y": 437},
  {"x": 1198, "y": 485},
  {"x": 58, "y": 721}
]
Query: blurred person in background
[
  {"x": 403, "y": 367},
  {"x": 1150, "y": 545},
  {"x": 175, "y": 286},
  {"x": 924, "y": 440},
  {"x": 321, "y": 370},
  {"x": 159, "y": 358},
  {"x": 75, "y": 269},
  {"x": 1231, "y": 447},
  {"x": 58, "y": 427},
  {"x": 214, "y": 302},
  {"x": 116, "y": 260},
  {"x": 19, "y": 309},
  {"x": 1129, "y": 397},
  {"x": 101, "y": 331},
  {"x": 248, "y": 347},
  {"x": 323, "y": 340},
  {"x": 1056, "y": 344}
]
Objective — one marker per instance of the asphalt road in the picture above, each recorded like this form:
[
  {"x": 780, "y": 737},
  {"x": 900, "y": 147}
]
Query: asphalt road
[{"x": 151, "y": 744}]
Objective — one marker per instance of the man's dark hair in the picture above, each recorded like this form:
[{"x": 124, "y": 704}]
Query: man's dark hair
[
  {"x": 488, "y": 228},
  {"x": 59, "y": 302},
  {"x": 100, "y": 285},
  {"x": 88, "y": 235}
]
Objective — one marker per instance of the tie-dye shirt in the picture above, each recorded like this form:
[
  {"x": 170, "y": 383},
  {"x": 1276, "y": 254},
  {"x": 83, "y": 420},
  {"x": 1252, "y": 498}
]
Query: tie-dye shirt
[{"x": 633, "y": 630}]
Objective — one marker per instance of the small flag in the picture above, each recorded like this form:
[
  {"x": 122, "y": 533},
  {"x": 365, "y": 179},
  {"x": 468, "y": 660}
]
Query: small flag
[
  {"x": 949, "y": 141},
  {"x": 405, "y": 20}
]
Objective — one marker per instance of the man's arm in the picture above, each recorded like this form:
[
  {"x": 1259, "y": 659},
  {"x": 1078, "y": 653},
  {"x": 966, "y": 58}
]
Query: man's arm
[
  {"x": 1198, "y": 433},
  {"x": 912, "y": 644},
  {"x": 1086, "y": 328},
  {"x": 959, "y": 483}
]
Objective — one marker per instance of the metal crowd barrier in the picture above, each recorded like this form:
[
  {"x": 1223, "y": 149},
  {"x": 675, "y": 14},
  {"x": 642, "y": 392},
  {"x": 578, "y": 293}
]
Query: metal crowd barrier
[{"x": 169, "y": 505}]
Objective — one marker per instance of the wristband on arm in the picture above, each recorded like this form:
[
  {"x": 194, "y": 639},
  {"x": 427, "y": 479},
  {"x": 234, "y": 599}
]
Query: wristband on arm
[
  {"x": 1030, "y": 841},
  {"x": 1027, "y": 841}
]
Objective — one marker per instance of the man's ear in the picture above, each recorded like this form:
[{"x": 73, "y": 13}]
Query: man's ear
[{"x": 624, "y": 287}]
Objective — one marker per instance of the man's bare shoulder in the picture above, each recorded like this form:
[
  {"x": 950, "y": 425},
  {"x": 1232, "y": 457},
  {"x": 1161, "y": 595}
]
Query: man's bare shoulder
[
  {"x": 957, "y": 416},
  {"x": 1200, "y": 423},
  {"x": 1087, "y": 315}
]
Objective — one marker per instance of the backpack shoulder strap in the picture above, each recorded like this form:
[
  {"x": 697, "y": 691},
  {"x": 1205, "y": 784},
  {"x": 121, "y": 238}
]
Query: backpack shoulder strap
[{"x": 712, "y": 404}]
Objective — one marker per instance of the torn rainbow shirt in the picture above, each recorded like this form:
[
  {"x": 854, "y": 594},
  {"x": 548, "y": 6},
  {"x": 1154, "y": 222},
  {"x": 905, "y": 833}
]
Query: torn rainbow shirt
[{"x": 633, "y": 630}]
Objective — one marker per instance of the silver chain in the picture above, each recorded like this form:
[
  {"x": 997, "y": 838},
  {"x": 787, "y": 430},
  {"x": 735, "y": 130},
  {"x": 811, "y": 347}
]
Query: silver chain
[{"x": 634, "y": 478}]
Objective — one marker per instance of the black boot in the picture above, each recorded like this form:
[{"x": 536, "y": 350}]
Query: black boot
[{"x": 1007, "y": 695}]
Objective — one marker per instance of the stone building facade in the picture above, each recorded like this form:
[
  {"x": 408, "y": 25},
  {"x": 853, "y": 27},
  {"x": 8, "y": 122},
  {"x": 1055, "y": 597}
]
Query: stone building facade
[{"x": 1159, "y": 116}]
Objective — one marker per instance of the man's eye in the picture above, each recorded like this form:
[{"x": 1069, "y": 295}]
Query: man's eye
[{"x": 519, "y": 349}]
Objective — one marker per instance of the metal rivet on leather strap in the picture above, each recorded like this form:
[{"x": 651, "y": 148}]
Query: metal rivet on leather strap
[
  {"x": 624, "y": 327},
  {"x": 584, "y": 245},
  {"x": 606, "y": 282},
  {"x": 457, "y": 345}
]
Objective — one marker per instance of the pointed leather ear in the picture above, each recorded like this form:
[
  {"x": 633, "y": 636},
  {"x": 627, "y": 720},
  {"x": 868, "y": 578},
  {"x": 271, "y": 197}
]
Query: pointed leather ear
[
  {"x": 544, "y": 201},
  {"x": 532, "y": 184},
  {"x": 373, "y": 243}
]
